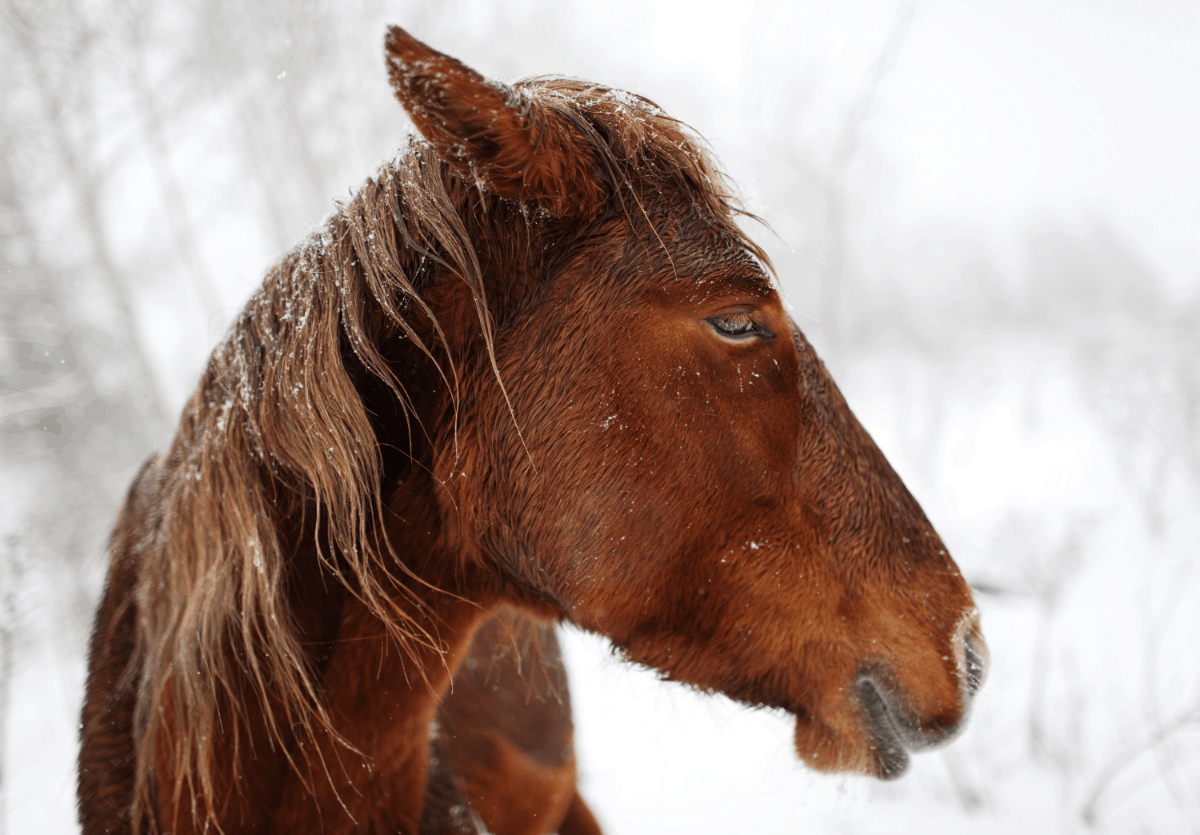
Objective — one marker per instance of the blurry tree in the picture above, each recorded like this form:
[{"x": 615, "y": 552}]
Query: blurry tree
[
  {"x": 56, "y": 55},
  {"x": 140, "y": 141},
  {"x": 129, "y": 130},
  {"x": 138, "y": 18},
  {"x": 834, "y": 238}
]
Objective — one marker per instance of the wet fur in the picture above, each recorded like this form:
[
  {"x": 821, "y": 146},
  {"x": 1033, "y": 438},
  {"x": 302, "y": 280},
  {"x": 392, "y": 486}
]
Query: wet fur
[{"x": 405, "y": 435}]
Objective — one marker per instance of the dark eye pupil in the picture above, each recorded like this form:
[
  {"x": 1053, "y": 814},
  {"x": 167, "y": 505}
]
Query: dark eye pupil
[
  {"x": 739, "y": 327},
  {"x": 733, "y": 325}
]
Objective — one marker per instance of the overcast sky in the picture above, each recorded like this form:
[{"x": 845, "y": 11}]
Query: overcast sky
[{"x": 996, "y": 113}]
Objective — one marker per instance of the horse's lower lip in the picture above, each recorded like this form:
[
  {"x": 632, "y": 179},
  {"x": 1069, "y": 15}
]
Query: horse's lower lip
[
  {"x": 893, "y": 732},
  {"x": 888, "y": 730}
]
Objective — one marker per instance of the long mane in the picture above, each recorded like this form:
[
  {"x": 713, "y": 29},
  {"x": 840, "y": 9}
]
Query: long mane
[{"x": 279, "y": 443}]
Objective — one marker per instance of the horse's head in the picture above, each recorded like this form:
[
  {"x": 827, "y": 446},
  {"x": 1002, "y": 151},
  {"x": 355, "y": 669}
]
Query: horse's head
[{"x": 646, "y": 443}]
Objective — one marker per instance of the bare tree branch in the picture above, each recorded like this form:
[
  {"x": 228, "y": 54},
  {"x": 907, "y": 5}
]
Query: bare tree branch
[{"x": 845, "y": 147}]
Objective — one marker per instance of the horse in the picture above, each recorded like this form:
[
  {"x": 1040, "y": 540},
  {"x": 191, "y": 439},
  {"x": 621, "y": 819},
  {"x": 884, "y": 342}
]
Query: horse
[{"x": 533, "y": 371}]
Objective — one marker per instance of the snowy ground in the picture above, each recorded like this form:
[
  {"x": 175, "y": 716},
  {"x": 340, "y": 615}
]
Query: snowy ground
[{"x": 1019, "y": 329}]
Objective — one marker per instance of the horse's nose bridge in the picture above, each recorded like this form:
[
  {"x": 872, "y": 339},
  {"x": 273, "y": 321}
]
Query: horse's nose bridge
[
  {"x": 835, "y": 448},
  {"x": 876, "y": 535}
]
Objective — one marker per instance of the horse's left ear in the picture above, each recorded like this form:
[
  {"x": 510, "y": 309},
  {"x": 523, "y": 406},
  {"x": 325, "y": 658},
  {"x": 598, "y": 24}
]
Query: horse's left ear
[{"x": 497, "y": 134}]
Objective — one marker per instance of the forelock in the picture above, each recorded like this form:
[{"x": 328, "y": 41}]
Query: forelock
[{"x": 638, "y": 146}]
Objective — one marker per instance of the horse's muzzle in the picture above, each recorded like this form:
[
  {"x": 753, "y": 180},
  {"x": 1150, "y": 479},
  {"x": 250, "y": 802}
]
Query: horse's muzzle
[{"x": 894, "y": 729}]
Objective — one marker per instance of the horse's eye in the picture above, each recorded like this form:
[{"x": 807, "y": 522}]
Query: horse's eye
[{"x": 738, "y": 327}]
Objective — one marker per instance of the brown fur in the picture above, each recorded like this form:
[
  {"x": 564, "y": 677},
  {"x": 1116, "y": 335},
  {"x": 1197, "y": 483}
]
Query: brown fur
[
  {"x": 508, "y": 725},
  {"x": 496, "y": 377}
]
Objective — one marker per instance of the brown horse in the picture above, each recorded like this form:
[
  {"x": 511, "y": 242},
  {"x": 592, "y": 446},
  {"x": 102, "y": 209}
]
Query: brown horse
[{"x": 533, "y": 371}]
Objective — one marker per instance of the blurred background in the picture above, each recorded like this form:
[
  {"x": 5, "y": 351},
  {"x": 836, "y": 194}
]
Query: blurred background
[{"x": 986, "y": 216}]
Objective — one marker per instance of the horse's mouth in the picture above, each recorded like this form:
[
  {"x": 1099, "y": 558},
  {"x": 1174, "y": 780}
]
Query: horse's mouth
[
  {"x": 890, "y": 733},
  {"x": 893, "y": 731}
]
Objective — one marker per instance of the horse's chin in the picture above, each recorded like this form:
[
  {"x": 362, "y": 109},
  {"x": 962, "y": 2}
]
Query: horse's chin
[
  {"x": 849, "y": 748},
  {"x": 873, "y": 733}
]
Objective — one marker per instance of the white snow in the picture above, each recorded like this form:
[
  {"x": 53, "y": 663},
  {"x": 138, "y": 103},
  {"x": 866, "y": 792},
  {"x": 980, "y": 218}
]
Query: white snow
[{"x": 1019, "y": 262}]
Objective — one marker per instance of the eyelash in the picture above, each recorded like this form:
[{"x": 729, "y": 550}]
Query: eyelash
[{"x": 738, "y": 327}]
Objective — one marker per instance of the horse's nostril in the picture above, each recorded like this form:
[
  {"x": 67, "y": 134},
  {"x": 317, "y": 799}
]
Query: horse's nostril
[{"x": 975, "y": 662}]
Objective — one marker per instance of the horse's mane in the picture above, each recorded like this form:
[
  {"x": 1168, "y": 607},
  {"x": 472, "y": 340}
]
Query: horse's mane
[{"x": 278, "y": 438}]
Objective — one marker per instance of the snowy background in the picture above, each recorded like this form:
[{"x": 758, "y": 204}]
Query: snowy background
[{"x": 986, "y": 215}]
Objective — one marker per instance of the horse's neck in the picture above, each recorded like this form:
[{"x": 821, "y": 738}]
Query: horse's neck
[{"x": 381, "y": 686}]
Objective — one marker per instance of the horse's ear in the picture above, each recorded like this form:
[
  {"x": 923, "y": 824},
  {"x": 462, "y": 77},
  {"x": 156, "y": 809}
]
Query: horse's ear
[{"x": 497, "y": 134}]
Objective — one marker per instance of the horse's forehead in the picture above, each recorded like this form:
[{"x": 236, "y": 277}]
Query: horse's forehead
[
  {"x": 718, "y": 264},
  {"x": 675, "y": 249}
]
